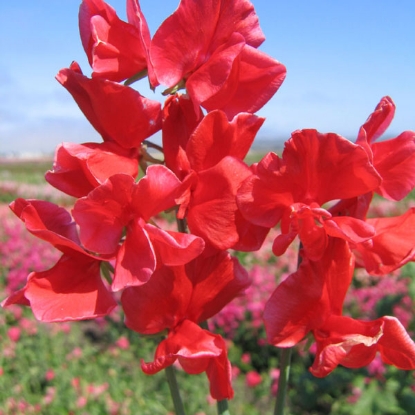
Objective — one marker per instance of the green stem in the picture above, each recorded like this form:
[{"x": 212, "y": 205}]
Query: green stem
[
  {"x": 283, "y": 380},
  {"x": 223, "y": 407},
  {"x": 174, "y": 390}
]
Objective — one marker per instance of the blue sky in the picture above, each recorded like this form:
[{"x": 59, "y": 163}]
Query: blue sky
[{"x": 341, "y": 57}]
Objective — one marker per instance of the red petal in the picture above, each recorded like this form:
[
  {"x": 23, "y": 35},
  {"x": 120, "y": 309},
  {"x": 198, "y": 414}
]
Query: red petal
[
  {"x": 313, "y": 159},
  {"x": 179, "y": 121},
  {"x": 377, "y": 122},
  {"x": 260, "y": 201},
  {"x": 159, "y": 304},
  {"x": 188, "y": 38},
  {"x": 79, "y": 168},
  {"x": 211, "y": 212},
  {"x": 345, "y": 341},
  {"x": 174, "y": 248},
  {"x": 182, "y": 41},
  {"x": 257, "y": 79},
  {"x": 251, "y": 236},
  {"x": 136, "y": 260},
  {"x": 119, "y": 113},
  {"x": 395, "y": 346},
  {"x": 215, "y": 138},
  {"x": 354, "y": 343},
  {"x": 217, "y": 79},
  {"x": 156, "y": 191},
  {"x": 394, "y": 160},
  {"x": 87, "y": 9},
  {"x": 197, "y": 351},
  {"x": 115, "y": 48},
  {"x": 349, "y": 228},
  {"x": 304, "y": 300},
  {"x": 238, "y": 16},
  {"x": 392, "y": 246},
  {"x": 71, "y": 290},
  {"x": 104, "y": 213},
  {"x": 136, "y": 18},
  {"x": 217, "y": 280},
  {"x": 49, "y": 222}
]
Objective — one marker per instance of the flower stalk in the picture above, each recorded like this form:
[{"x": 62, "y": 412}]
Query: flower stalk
[
  {"x": 222, "y": 407},
  {"x": 283, "y": 380},
  {"x": 174, "y": 391}
]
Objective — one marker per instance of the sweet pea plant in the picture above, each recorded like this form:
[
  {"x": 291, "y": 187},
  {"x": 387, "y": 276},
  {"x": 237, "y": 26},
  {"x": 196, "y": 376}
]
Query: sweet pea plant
[{"x": 114, "y": 249}]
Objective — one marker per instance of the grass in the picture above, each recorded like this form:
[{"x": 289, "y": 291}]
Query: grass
[{"x": 24, "y": 171}]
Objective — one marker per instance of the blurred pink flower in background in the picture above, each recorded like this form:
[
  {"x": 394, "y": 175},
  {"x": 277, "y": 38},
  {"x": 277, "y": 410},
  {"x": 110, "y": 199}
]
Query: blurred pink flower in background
[{"x": 253, "y": 379}]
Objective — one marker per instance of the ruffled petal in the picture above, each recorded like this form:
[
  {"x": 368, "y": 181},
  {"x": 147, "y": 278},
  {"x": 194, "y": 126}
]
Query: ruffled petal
[
  {"x": 394, "y": 160},
  {"x": 212, "y": 209},
  {"x": 217, "y": 280},
  {"x": 119, "y": 113},
  {"x": 80, "y": 168},
  {"x": 49, "y": 222},
  {"x": 104, "y": 213},
  {"x": 136, "y": 259},
  {"x": 70, "y": 290},
  {"x": 174, "y": 248},
  {"x": 216, "y": 137},
  {"x": 159, "y": 304},
  {"x": 254, "y": 79},
  {"x": 197, "y": 351},
  {"x": 392, "y": 246},
  {"x": 114, "y": 48},
  {"x": 304, "y": 300},
  {"x": 354, "y": 344},
  {"x": 156, "y": 191}
]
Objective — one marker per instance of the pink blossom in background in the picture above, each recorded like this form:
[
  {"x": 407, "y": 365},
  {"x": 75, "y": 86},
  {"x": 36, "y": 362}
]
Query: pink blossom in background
[
  {"x": 14, "y": 334},
  {"x": 50, "y": 395},
  {"x": 20, "y": 252},
  {"x": 376, "y": 368},
  {"x": 245, "y": 358},
  {"x": 372, "y": 291},
  {"x": 253, "y": 379},
  {"x": 123, "y": 343},
  {"x": 50, "y": 375}
]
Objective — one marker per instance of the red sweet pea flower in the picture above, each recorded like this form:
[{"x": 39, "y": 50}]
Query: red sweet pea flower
[
  {"x": 116, "y": 50},
  {"x": 121, "y": 205},
  {"x": 80, "y": 168},
  {"x": 119, "y": 113},
  {"x": 393, "y": 159},
  {"x": 314, "y": 169},
  {"x": 211, "y": 46},
  {"x": 176, "y": 299},
  {"x": 207, "y": 155},
  {"x": 354, "y": 344},
  {"x": 72, "y": 289},
  {"x": 197, "y": 351},
  {"x": 303, "y": 302}
]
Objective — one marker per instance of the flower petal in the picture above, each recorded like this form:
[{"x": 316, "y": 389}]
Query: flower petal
[
  {"x": 174, "y": 248},
  {"x": 70, "y": 290},
  {"x": 119, "y": 113}
]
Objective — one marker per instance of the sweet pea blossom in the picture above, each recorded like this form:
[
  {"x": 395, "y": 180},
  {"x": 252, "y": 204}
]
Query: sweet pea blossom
[
  {"x": 207, "y": 155},
  {"x": 187, "y": 295},
  {"x": 211, "y": 47},
  {"x": 294, "y": 188},
  {"x": 116, "y": 50},
  {"x": 119, "y": 113},
  {"x": 120, "y": 205}
]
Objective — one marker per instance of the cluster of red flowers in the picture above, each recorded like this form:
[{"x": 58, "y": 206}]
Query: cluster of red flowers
[{"x": 319, "y": 191}]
